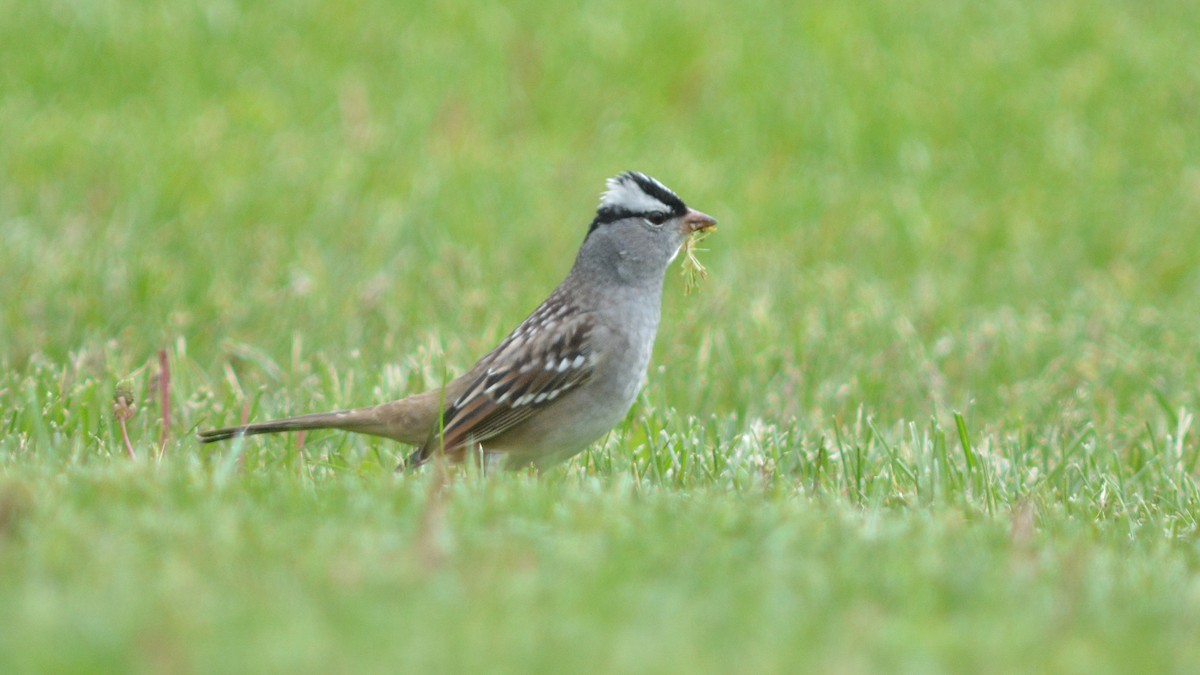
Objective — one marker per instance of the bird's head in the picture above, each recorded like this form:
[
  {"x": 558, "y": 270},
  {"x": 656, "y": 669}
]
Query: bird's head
[{"x": 641, "y": 225}]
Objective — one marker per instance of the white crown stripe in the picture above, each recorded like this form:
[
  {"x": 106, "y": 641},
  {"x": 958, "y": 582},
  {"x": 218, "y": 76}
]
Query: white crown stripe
[{"x": 625, "y": 194}]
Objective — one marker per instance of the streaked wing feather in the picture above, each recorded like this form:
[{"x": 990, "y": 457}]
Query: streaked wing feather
[{"x": 541, "y": 365}]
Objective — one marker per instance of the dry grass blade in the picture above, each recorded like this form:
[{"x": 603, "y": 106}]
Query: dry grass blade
[
  {"x": 692, "y": 269},
  {"x": 124, "y": 408},
  {"x": 164, "y": 390}
]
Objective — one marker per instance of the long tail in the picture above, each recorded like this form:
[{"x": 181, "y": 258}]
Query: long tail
[
  {"x": 347, "y": 420},
  {"x": 407, "y": 421}
]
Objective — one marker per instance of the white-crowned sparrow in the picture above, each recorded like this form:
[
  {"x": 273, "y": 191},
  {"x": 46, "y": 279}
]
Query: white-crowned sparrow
[{"x": 569, "y": 372}]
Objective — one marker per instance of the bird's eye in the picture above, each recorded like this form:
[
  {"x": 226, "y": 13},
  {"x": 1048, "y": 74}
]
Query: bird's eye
[{"x": 658, "y": 218}]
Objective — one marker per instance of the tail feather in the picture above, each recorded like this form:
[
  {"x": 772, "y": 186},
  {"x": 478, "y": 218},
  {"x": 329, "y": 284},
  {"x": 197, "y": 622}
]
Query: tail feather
[
  {"x": 346, "y": 420},
  {"x": 407, "y": 421}
]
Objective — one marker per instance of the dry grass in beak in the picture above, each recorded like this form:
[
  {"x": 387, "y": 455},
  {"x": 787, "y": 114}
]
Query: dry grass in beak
[{"x": 693, "y": 271}]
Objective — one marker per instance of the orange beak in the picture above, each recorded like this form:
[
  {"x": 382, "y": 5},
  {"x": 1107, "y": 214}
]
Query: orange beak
[{"x": 695, "y": 221}]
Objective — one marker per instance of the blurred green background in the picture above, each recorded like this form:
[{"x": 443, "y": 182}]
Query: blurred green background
[
  {"x": 926, "y": 208},
  {"x": 928, "y": 204}
]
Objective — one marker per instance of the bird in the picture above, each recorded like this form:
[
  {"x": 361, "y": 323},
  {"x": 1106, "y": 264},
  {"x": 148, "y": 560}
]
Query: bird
[{"x": 568, "y": 373}]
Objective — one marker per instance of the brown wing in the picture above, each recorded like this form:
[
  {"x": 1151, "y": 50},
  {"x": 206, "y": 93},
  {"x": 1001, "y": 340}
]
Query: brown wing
[{"x": 547, "y": 356}]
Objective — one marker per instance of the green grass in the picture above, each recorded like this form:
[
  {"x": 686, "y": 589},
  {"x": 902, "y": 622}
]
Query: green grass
[{"x": 932, "y": 411}]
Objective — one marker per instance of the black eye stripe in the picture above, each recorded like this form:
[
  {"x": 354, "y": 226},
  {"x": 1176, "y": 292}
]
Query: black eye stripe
[{"x": 609, "y": 215}]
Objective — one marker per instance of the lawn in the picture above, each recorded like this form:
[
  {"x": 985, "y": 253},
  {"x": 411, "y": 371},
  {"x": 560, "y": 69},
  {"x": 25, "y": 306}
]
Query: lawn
[{"x": 932, "y": 411}]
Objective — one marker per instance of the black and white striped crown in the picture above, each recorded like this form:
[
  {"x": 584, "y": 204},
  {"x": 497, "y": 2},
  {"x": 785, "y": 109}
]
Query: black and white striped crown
[{"x": 634, "y": 194}]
